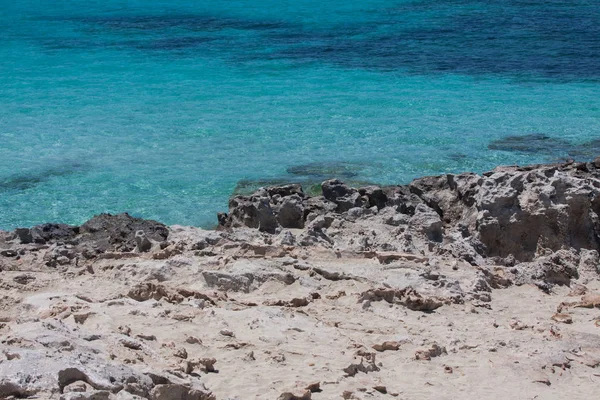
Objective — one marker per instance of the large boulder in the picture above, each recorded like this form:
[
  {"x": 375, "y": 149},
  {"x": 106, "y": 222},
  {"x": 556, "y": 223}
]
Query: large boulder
[
  {"x": 290, "y": 212},
  {"x": 402, "y": 199},
  {"x": 427, "y": 222},
  {"x": 271, "y": 208},
  {"x": 343, "y": 196},
  {"x": 252, "y": 211},
  {"x": 521, "y": 212},
  {"x": 376, "y": 196}
]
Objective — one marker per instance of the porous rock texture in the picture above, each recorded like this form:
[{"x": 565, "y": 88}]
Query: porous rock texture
[
  {"x": 508, "y": 216},
  {"x": 457, "y": 286}
]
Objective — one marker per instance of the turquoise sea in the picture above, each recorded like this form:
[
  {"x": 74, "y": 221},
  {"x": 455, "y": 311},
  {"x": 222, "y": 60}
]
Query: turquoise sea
[{"x": 160, "y": 108}]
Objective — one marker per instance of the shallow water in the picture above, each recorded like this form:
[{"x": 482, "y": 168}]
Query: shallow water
[{"x": 160, "y": 109}]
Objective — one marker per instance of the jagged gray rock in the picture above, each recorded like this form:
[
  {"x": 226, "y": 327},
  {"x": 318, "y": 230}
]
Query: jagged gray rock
[
  {"x": 117, "y": 232},
  {"x": 255, "y": 211},
  {"x": 510, "y": 215},
  {"x": 142, "y": 243},
  {"x": 102, "y": 233},
  {"x": 290, "y": 212},
  {"x": 343, "y": 196}
]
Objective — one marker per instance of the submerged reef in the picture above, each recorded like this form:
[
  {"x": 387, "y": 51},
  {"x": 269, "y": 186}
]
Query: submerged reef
[{"x": 548, "y": 146}]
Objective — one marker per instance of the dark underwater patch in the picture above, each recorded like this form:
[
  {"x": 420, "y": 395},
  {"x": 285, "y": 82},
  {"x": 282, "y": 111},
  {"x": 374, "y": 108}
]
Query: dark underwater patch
[
  {"x": 515, "y": 38},
  {"x": 173, "y": 43},
  {"x": 542, "y": 144},
  {"x": 459, "y": 157},
  {"x": 168, "y": 33},
  {"x": 30, "y": 179},
  {"x": 586, "y": 151},
  {"x": 69, "y": 43},
  {"x": 533, "y": 143},
  {"x": 187, "y": 22},
  {"x": 20, "y": 182},
  {"x": 326, "y": 170}
]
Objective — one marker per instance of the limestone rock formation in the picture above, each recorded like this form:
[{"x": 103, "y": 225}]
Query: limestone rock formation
[
  {"x": 510, "y": 215},
  {"x": 369, "y": 292}
]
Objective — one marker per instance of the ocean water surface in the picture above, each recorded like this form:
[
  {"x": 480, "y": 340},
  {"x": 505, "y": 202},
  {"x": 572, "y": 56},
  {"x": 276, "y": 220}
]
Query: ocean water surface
[{"x": 162, "y": 109}]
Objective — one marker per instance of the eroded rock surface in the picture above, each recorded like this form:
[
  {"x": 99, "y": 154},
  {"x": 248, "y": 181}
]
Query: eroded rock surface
[
  {"x": 444, "y": 288},
  {"x": 507, "y": 216}
]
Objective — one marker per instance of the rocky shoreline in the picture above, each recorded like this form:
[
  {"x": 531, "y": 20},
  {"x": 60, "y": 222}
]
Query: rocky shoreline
[{"x": 449, "y": 286}]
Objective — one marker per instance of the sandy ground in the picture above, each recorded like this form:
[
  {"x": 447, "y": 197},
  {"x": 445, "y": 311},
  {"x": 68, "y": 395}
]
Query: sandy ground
[{"x": 267, "y": 344}]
